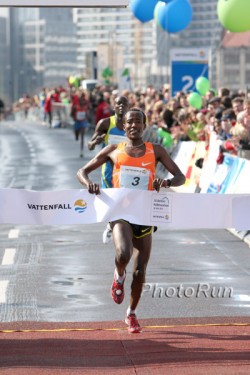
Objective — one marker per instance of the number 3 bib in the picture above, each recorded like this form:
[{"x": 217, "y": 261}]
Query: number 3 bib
[
  {"x": 134, "y": 172},
  {"x": 134, "y": 177}
]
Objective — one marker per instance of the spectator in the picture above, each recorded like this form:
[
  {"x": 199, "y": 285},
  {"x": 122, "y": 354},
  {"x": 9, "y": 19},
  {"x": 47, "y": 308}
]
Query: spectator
[
  {"x": 237, "y": 104},
  {"x": 103, "y": 109},
  {"x": 226, "y": 102},
  {"x": 216, "y": 107},
  {"x": 223, "y": 91}
]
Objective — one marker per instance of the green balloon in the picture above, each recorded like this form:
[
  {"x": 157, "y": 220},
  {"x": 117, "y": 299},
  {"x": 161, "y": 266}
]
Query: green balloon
[
  {"x": 195, "y": 100},
  {"x": 167, "y": 140},
  {"x": 158, "y": 7},
  {"x": 202, "y": 84},
  {"x": 161, "y": 132},
  {"x": 234, "y": 15}
]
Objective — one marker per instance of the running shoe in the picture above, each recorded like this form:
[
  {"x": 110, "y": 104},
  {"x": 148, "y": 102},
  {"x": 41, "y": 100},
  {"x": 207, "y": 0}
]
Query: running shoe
[
  {"x": 107, "y": 235},
  {"x": 117, "y": 290},
  {"x": 133, "y": 325}
]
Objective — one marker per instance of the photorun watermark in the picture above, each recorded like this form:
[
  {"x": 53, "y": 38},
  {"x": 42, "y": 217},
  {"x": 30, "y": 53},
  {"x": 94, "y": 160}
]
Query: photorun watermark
[{"x": 201, "y": 290}]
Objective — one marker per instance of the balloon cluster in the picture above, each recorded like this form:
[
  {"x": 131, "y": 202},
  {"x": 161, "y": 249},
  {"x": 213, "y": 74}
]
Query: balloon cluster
[
  {"x": 171, "y": 15},
  {"x": 234, "y": 15},
  {"x": 167, "y": 140},
  {"x": 202, "y": 85},
  {"x": 74, "y": 81}
]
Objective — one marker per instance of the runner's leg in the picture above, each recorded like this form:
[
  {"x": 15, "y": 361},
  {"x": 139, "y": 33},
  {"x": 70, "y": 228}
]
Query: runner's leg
[
  {"x": 142, "y": 250},
  {"x": 122, "y": 237}
]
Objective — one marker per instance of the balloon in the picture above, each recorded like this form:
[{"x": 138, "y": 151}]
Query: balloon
[
  {"x": 161, "y": 132},
  {"x": 174, "y": 16},
  {"x": 143, "y": 10},
  {"x": 160, "y": 7},
  {"x": 167, "y": 140},
  {"x": 202, "y": 84},
  {"x": 234, "y": 15},
  {"x": 195, "y": 100},
  {"x": 71, "y": 80}
]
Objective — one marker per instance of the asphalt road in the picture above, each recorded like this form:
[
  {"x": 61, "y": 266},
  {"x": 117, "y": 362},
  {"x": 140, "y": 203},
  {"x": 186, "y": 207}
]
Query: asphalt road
[{"x": 64, "y": 273}]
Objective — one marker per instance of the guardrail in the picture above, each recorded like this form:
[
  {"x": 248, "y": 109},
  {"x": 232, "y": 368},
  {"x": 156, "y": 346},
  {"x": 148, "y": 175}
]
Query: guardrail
[{"x": 60, "y": 115}]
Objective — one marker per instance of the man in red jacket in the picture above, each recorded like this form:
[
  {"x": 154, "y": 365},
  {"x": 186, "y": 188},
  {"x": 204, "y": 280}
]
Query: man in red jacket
[{"x": 103, "y": 109}]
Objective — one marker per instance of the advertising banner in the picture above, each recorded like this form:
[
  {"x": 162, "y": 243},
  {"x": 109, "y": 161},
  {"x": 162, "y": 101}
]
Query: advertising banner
[
  {"x": 165, "y": 209},
  {"x": 187, "y": 64}
]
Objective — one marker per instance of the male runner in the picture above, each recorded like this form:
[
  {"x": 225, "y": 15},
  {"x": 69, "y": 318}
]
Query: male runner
[
  {"x": 110, "y": 131},
  {"x": 130, "y": 238}
]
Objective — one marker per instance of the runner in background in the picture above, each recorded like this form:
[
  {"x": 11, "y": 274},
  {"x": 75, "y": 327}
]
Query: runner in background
[
  {"x": 110, "y": 131},
  {"x": 79, "y": 112},
  {"x": 134, "y": 167}
]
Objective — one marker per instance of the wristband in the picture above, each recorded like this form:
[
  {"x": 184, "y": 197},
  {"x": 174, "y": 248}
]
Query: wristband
[{"x": 169, "y": 183}]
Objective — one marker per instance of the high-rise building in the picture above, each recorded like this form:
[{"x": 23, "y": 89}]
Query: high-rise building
[
  {"x": 43, "y": 48},
  {"x": 233, "y": 62},
  {"x": 129, "y": 43},
  {"x": 4, "y": 62}
]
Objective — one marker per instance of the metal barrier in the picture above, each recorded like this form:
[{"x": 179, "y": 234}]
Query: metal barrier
[{"x": 61, "y": 114}]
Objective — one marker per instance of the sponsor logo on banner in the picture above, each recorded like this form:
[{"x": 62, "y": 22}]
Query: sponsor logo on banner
[
  {"x": 79, "y": 206},
  {"x": 161, "y": 208}
]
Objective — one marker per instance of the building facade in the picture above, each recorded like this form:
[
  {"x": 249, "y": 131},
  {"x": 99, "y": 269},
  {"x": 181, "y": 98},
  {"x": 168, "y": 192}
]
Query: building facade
[
  {"x": 43, "y": 48},
  {"x": 131, "y": 44},
  {"x": 233, "y": 62},
  {"x": 5, "y": 90}
]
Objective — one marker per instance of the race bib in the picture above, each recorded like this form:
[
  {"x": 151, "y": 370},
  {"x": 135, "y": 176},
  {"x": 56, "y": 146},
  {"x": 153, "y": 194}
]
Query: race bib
[
  {"x": 134, "y": 177},
  {"x": 115, "y": 139},
  {"x": 80, "y": 116}
]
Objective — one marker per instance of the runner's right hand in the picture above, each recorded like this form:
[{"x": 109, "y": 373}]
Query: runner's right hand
[{"x": 93, "y": 188}]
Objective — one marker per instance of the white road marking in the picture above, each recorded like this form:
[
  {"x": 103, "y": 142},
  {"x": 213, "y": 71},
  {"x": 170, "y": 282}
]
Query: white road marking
[
  {"x": 8, "y": 257},
  {"x": 3, "y": 289},
  {"x": 13, "y": 233}
]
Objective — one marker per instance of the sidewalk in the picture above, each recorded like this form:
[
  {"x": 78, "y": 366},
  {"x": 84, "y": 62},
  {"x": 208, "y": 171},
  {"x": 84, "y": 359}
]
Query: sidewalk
[{"x": 166, "y": 346}]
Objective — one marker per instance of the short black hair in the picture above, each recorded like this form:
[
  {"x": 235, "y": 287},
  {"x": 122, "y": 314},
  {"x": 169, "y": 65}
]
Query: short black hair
[{"x": 135, "y": 109}]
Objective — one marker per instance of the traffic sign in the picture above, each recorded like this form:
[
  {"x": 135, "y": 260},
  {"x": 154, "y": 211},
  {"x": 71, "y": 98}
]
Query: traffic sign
[
  {"x": 65, "y": 3},
  {"x": 187, "y": 64}
]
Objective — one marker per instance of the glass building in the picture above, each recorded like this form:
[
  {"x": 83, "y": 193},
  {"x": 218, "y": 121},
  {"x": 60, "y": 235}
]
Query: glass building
[{"x": 43, "y": 48}]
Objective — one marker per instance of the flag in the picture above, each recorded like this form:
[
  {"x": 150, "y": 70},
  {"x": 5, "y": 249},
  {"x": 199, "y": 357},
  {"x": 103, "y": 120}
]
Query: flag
[
  {"x": 125, "y": 80},
  {"x": 126, "y": 74}
]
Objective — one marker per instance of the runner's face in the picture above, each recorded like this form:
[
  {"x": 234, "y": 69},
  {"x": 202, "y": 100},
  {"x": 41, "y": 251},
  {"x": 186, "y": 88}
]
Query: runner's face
[
  {"x": 121, "y": 105},
  {"x": 134, "y": 125}
]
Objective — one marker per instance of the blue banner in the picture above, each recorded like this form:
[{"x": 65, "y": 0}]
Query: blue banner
[{"x": 186, "y": 66}]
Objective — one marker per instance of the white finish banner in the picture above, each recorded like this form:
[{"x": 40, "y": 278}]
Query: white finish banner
[{"x": 170, "y": 210}]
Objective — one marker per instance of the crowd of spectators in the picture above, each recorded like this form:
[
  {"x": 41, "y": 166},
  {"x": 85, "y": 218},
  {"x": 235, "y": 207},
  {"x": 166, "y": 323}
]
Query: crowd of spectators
[{"x": 225, "y": 113}]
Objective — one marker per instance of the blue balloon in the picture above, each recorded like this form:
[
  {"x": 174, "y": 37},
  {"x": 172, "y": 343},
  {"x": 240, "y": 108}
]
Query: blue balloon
[
  {"x": 174, "y": 16},
  {"x": 143, "y": 10}
]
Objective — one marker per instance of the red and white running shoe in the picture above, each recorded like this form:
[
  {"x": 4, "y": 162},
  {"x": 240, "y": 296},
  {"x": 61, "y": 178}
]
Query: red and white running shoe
[
  {"x": 117, "y": 290},
  {"x": 133, "y": 325}
]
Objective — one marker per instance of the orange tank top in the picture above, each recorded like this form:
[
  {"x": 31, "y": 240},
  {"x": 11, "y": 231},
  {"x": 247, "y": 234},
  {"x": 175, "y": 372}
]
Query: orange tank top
[{"x": 134, "y": 173}]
